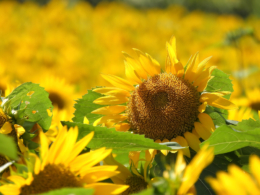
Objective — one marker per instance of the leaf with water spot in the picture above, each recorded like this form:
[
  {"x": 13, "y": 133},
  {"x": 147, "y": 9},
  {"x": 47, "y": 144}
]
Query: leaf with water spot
[{"x": 29, "y": 104}]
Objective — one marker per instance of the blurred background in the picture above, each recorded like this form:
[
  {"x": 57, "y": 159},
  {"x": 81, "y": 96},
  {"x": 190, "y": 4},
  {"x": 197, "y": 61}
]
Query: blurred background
[{"x": 64, "y": 45}]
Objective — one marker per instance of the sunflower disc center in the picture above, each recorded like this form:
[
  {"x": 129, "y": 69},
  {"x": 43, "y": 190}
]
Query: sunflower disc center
[
  {"x": 51, "y": 178},
  {"x": 163, "y": 107},
  {"x": 136, "y": 184}
]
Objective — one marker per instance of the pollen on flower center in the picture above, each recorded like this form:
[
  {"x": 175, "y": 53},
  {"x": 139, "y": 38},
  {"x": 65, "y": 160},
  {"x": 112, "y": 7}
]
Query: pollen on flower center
[
  {"x": 163, "y": 107},
  {"x": 136, "y": 184},
  {"x": 51, "y": 178}
]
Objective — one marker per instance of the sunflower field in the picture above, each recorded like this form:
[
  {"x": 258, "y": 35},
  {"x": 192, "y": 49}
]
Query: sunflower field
[{"x": 129, "y": 97}]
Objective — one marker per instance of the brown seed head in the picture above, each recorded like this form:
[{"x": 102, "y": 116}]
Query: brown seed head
[
  {"x": 163, "y": 107},
  {"x": 51, "y": 178}
]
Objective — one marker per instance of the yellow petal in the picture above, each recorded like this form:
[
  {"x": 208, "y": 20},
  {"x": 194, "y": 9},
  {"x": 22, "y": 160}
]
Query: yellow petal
[
  {"x": 112, "y": 91},
  {"x": 118, "y": 82},
  {"x": 98, "y": 173},
  {"x": 112, "y": 118},
  {"x": 203, "y": 84},
  {"x": 217, "y": 101},
  {"x": 192, "y": 140},
  {"x": 180, "y": 164},
  {"x": 131, "y": 74},
  {"x": 191, "y": 68},
  {"x": 109, "y": 110},
  {"x": 150, "y": 65},
  {"x": 204, "y": 75},
  {"x": 110, "y": 100},
  {"x": 79, "y": 146},
  {"x": 202, "y": 107},
  {"x": 207, "y": 121},
  {"x": 172, "y": 63},
  {"x": 124, "y": 172},
  {"x": 139, "y": 70},
  {"x": 67, "y": 146},
  {"x": 195, "y": 132},
  {"x": 202, "y": 65},
  {"x": 85, "y": 120},
  {"x": 44, "y": 145},
  {"x": 122, "y": 127},
  {"x": 134, "y": 158},
  {"x": 6, "y": 128},
  {"x": 244, "y": 179},
  {"x": 202, "y": 131},
  {"x": 180, "y": 140},
  {"x": 230, "y": 185},
  {"x": 254, "y": 164},
  {"x": 106, "y": 188}
]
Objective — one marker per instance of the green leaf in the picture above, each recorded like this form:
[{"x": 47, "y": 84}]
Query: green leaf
[
  {"x": 70, "y": 191},
  {"x": 8, "y": 147},
  {"x": 120, "y": 142},
  {"x": 247, "y": 125},
  {"x": 225, "y": 139},
  {"x": 218, "y": 115},
  {"x": 220, "y": 82},
  {"x": 145, "y": 192},
  {"x": 85, "y": 106},
  {"x": 29, "y": 103}
]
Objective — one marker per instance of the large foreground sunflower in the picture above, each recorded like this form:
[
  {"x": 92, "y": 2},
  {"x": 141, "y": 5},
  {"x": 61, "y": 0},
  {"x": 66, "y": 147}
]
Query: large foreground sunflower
[
  {"x": 61, "y": 166},
  {"x": 163, "y": 105}
]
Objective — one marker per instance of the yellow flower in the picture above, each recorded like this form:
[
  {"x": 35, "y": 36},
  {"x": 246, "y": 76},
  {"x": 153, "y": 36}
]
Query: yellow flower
[
  {"x": 164, "y": 106},
  {"x": 61, "y": 94},
  {"x": 237, "y": 181},
  {"x": 240, "y": 114},
  {"x": 182, "y": 178},
  {"x": 61, "y": 166},
  {"x": 136, "y": 181},
  {"x": 251, "y": 100}
]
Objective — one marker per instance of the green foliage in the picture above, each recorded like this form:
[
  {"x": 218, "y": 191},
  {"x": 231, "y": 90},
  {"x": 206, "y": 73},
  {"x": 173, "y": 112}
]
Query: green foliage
[
  {"x": 225, "y": 139},
  {"x": 218, "y": 115},
  {"x": 145, "y": 192},
  {"x": 85, "y": 106},
  {"x": 70, "y": 191},
  {"x": 8, "y": 147},
  {"x": 120, "y": 142},
  {"x": 220, "y": 82},
  {"x": 28, "y": 104}
]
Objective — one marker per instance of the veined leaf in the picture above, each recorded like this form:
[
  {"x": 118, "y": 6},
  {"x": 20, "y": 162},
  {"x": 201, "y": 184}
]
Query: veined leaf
[
  {"x": 29, "y": 103},
  {"x": 8, "y": 147},
  {"x": 220, "y": 82},
  {"x": 120, "y": 142},
  {"x": 218, "y": 115},
  {"x": 85, "y": 106},
  {"x": 70, "y": 191},
  {"x": 225, "y": 139}
]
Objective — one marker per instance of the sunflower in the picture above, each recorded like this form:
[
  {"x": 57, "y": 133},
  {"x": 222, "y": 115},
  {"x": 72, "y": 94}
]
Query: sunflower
[
  {"x": 61, "y": 94},
  {"x": 243, "y": 113},
  {"x": 15, "y": 131},
  {"x": 136, "y": 181},
  {"x": 163, "y": 105},
  {"x": 61, "y": 166},
  {"x": 251, "y": 100},
  {"x": 237, "y": 181},
  {"x": 182, "y": 177}
]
